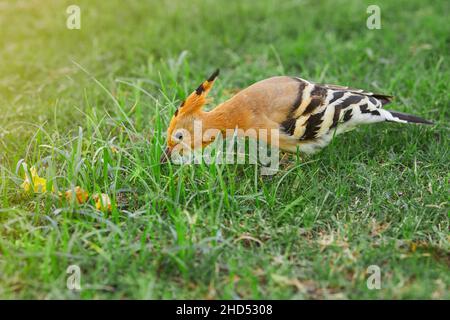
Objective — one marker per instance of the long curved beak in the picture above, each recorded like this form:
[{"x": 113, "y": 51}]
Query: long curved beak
[{"x": 165, "y": 156}]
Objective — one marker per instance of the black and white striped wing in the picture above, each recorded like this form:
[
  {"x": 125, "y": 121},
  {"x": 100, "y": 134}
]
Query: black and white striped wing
[{"x": 321, "y": 110}]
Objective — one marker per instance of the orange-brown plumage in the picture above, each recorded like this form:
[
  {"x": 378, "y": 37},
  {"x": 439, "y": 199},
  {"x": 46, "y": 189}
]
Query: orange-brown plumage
[{"x": 305, "y": 115}]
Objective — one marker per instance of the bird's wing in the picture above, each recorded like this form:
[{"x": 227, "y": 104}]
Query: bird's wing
[
  {"x": 384, "y": 98},
  {"x": 324, "y": 107}
]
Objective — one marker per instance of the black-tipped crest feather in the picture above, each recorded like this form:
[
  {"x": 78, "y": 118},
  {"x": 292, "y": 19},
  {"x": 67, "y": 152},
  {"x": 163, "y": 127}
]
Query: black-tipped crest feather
[{"x": 214, "y": 75}]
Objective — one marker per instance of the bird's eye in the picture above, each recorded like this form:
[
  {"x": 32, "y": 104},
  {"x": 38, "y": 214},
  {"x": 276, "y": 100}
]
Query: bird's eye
[{"x": 179, "y": 136}]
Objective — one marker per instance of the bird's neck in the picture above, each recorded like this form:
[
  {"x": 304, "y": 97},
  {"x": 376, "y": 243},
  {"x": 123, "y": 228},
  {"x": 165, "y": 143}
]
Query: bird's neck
[{"x": 225, "y": 116}]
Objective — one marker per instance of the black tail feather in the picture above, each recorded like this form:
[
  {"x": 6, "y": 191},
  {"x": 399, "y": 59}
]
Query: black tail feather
[
  {"x": 384, "y": 98},
  {"x": 410, "y": 118}
]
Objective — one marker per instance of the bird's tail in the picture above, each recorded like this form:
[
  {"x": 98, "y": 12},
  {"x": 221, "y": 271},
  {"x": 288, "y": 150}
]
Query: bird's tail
[{"x": 395, "y": 116}]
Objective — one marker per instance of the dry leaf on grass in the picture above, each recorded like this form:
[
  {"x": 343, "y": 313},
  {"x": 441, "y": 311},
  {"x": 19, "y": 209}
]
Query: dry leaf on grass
[
  {"x": 35, "y": 183},
  {"x": 102, "y": 201},
  {"x": 80, "y": 194}
]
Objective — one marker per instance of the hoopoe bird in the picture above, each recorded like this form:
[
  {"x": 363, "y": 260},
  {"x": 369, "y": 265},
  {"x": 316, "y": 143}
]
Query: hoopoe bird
[{"x": 305, "y": 115}]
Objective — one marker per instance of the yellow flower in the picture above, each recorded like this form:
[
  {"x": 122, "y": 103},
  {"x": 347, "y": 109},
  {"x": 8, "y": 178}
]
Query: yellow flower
[
  {"x": 102, "y": 201},
  {"x": 37, "y": 183},
  {"x": 80, "y": 194}
]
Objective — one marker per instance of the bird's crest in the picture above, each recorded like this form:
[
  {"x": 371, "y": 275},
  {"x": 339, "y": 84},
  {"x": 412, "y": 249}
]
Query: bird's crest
[{"x": 197, "y": 98}]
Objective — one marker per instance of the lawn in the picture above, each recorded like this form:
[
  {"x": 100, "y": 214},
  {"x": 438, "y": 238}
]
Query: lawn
[{"x": 90, "y": 108}]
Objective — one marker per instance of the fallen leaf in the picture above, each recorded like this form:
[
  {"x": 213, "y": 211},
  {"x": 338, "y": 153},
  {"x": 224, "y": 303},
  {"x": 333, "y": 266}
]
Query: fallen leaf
[
  {"x": 102, "y": 201},
  {"x": 36, "y": 183},
  {"x": 81, "y": 195}
]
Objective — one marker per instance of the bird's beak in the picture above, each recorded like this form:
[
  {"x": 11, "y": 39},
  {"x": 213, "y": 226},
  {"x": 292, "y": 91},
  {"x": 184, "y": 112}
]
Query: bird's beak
[{"x": 165, "y": 156}]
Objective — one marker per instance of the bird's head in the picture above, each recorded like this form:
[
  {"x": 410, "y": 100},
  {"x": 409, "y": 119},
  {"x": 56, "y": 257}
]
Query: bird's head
[{"x": 180, "y": 133}]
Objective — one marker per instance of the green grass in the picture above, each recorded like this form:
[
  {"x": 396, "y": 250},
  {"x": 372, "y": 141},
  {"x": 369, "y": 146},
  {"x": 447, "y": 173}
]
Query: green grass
[{"x": 375, "y": 196}]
